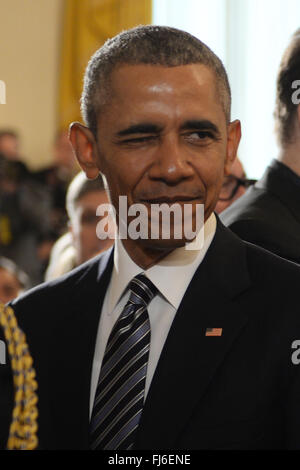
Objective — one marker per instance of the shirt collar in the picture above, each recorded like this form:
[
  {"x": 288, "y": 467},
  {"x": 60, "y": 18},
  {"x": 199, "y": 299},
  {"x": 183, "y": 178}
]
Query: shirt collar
[{"x": 175, "y": 270}]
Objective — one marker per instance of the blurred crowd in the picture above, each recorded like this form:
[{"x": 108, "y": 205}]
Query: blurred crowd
[
  {"x": 32, "y": 203},
  {"x": 33, "y": 214}
]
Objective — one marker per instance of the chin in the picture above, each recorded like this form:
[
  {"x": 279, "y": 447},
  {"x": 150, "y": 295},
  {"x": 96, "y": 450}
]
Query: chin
[{"x": 162, "y": 244}]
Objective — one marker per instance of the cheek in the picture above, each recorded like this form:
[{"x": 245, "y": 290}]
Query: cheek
[
  {"x": 212, "y": 176},
  {"x": 125, "y": 167},
  {"x": 210, "y": 164},
  {"x": 116, "y": 175},
  {"x": 88, "y": 233},
  {"x": 123, "y": 178}
]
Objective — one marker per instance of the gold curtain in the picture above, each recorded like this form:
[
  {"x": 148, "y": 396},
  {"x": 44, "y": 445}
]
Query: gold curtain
[{"x": 86, "y": 26}]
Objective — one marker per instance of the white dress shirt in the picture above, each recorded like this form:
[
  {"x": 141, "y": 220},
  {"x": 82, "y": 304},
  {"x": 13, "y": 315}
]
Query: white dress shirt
[{"x": 171, "y": 276}]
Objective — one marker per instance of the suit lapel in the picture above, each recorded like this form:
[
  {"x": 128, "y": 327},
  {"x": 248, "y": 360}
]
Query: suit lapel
[
  {"x": 79, "y": 330},
  {"x": 189, "y": 358}
]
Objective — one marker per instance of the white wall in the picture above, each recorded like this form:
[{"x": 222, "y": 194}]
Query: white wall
[
  {"x": 29, "y": 52},
  {"x": 250, "y": 37}
]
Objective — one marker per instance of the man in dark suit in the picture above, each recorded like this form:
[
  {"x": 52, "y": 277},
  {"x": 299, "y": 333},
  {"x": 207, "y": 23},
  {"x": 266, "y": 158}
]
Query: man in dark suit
[
  {"x": 220, "y": 369},
  {"x": 269, "y": 213}
]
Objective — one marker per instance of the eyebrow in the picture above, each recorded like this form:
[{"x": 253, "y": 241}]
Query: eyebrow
[
  {"x": 150, "y": 128},
  {"x": 200, "y": 125},
  {"x": 142, "y": 128}
]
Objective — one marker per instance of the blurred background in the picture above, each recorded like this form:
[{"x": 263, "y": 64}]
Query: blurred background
[{"x": 44, "y": 49}]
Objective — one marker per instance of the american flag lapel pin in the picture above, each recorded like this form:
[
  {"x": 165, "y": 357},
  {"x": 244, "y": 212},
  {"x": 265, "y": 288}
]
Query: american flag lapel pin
[{"x": 213, "y": 331}]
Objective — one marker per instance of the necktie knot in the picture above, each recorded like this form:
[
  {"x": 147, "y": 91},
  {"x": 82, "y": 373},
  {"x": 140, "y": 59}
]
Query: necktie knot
[{"x": 142, "y": 290}]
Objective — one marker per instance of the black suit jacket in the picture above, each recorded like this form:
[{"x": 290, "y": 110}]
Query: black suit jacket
[
  {"x": 236, "y": 391},
  {"x": 268, "y": 214}
]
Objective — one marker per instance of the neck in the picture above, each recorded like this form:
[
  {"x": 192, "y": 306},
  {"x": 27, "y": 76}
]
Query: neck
[
  {"x": 143, "y": 256},
  {"x": 290, "y": 156}
]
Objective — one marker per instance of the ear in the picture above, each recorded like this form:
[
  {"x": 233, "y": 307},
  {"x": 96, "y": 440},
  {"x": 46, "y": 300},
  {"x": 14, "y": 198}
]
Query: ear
[
  {"x": 233, "y": 140},
  {"x": 85, "y": 149}
]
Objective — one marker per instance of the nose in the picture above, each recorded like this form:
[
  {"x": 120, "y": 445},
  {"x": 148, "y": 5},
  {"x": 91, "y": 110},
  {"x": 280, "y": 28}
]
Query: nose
[{"x": 171, "y": 162}]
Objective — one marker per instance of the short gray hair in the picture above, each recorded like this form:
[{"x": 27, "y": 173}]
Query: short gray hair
[
  {"x": 11, "y": 267},
  {"x": 79, "y": 186},
  {"x": 152, "y": 45}
]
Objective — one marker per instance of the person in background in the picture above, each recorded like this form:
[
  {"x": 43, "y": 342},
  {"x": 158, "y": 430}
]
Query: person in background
[
  {"x": 269, "y": 213},
  {"x": 9, "y": 144},
  {"x": 233, "y": 187},
  {"x": 24, "y": 211},
  {"x": 81, "y": 242},
  {"x": 10, "y": 157},
  {"x": 56, "y": 178},
  {"x": 13, "y": 281}
]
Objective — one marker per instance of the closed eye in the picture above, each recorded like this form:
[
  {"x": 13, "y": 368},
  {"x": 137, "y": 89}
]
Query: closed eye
[{"x": 138, "y": 140}]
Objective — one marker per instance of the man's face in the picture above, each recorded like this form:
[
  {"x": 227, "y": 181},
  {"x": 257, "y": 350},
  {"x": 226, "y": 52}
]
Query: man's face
[
  {"x": 9, "y": 286},
  {"x": 83, "y": 226},
  {"x": 163, "y": 137},
  {"x": 9, "y": 146}
]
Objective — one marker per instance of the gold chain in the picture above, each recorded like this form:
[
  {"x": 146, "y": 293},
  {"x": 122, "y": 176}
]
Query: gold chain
[{"x": 23, "y": 428}]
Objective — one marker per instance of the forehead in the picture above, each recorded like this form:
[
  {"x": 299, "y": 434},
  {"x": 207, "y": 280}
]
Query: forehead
[
  {"x": 136, "y": 90},
  {"x": 8, "y": 138}
]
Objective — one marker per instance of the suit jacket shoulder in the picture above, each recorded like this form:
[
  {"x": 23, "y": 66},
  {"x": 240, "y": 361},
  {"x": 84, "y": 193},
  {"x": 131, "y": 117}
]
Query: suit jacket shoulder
[
  {"x": 268, "y": 215},
  {"x": 58, "y": 296},
  {"x": 60, "y": 320}
]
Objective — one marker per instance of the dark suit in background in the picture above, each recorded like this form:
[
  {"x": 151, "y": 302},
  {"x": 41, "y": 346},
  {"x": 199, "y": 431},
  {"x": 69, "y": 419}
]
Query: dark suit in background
[
  {"x": 268, "y": 214},
  {"x": 239, "y": 390}
]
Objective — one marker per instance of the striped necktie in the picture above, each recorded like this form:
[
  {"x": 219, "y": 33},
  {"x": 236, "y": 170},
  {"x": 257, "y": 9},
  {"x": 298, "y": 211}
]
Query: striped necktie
[{"x": 120, "y": 391}]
